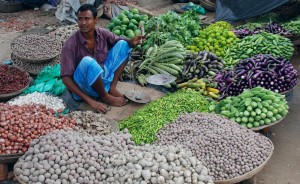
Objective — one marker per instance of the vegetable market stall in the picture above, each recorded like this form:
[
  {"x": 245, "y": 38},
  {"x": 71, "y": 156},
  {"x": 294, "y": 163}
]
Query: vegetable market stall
[{"x": 216, "y": 72}]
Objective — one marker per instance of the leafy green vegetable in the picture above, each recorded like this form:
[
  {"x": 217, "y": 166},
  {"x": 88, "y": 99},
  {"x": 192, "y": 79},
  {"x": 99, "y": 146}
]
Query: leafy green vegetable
[{"x": 172, "y": 26}]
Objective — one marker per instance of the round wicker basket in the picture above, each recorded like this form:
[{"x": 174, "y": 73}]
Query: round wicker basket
[
  {"x": 249, "y": 174},
  {"x": 33, "y": 68},
  {"x": 13, "y": 94},
  {"x": 208, "y": 5},
  {"x": 10, "y": 6},
  {"x": 255, "y": 129}
]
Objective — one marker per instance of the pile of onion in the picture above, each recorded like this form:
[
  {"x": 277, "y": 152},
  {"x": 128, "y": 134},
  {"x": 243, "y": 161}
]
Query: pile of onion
[{"x": 21, "y": 124}]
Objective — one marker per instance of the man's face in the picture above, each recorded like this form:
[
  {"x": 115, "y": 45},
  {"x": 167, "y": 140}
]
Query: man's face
[{"x": 86, "y": 21}]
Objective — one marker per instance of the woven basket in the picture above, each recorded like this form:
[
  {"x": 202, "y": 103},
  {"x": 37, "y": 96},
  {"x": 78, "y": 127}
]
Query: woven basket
[
  {"x": 10, "y": 6},
  {"x": 13, "y": 94},
  {"x": 208, "y": 5},
  {"x": 31, "y": 60}
]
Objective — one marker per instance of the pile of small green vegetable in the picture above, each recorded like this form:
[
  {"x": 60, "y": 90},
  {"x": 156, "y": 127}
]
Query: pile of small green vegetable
[
  {"x": 263, "y": 43},
  {"x": 253, "y": 108},
  {"x": 172, "y": 26},
  {"x": 144, "y": 123},
  {"x": 215, "y": 38}
]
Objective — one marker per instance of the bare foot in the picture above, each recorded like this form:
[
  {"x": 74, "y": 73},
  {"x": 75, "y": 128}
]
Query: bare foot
[
  {"x": 99, "y": 107},
  {"x": 115, "y": 101},
  {"x": 115, "y": 92}
]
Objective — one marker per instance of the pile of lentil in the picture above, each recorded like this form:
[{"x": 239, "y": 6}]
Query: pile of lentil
[{"x": 225, "y": 148}]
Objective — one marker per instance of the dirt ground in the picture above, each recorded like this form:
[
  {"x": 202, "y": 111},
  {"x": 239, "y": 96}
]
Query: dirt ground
[{"x": 284, "y": 166}]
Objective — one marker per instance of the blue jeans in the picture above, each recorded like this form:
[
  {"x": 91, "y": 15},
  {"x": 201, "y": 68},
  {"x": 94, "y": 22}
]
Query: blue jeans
[{"x": 88, "y": 70}]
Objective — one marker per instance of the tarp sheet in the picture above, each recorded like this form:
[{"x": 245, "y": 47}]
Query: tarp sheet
[
  {"x": 231, "y": 11},
  {"x": 33, "y": 3}
]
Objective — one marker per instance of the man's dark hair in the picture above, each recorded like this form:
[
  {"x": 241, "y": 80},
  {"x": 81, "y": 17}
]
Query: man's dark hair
[{"x": 87, "y": 7}]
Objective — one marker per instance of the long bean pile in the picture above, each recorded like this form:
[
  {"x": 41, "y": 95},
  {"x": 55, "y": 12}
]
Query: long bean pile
[
  {"x": 12, "y": 79},
  {"x": 263, "y": 43},
  {"x": 144, "y": 123}
]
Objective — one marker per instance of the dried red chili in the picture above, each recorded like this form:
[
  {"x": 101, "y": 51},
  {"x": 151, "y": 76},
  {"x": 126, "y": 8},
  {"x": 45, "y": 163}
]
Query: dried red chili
[{"x": 12, "y": 79}]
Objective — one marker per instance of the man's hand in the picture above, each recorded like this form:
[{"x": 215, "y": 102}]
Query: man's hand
[
  {"x": 135, "y": 41},
  {"x": 99, "y": 107}
]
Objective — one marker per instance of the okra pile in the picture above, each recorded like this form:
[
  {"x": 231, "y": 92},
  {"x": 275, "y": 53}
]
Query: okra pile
[
  {"x": 263, "y": 43},
  {"x": 253, "y": 108},
  {"x": 145, "y": 122}
]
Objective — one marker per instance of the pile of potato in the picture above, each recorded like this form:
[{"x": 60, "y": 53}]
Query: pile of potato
[
  {"x": 93, "y": 123},
  {"x": 69, "y": 157},
  {"x": 225, "y": 148},
  {"x": 156, "y": 165}
]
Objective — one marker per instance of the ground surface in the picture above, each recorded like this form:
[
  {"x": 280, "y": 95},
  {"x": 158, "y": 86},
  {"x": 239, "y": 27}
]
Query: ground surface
[{"x": 284, "y": 166}]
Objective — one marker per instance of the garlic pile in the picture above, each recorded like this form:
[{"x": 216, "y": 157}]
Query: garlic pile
[
  {"x": 64, "y": 32},
  {"x": 51, "y": 102}
]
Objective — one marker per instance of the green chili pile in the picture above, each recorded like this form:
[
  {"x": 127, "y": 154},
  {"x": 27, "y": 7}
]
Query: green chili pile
[{"x": 144, "y": 123}]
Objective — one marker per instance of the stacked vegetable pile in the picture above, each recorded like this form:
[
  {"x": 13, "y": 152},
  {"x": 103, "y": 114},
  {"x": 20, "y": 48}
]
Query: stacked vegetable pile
[
  {"x": 93, "y": 123},
  {"x": 205, "y": 87},
  {"x": 254, "y": 107},
  {"x": 51, "y": 102},
  {"x": 275, "y": 74},
  {"x": 21, "y": 124},
  {"x": 204, "y": 65},
  {"x": 172, "y": 26},
  {"x": 144, "y": 123},
  {"x": 165, "y": 59},
  {"x": 156, "y": 164},
  {"x": 293, "y": 25},
  {"x": 214, "y": 39},
  {"x": 127, "y": 23},
  {"x": 69, "y": 157},
  {"x": 225, "y": 148},
  {"x": 263, "y": 43}
]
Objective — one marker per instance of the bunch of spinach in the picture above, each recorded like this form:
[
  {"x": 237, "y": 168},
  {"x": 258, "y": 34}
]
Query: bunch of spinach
[{"x": 172, "y": 26}]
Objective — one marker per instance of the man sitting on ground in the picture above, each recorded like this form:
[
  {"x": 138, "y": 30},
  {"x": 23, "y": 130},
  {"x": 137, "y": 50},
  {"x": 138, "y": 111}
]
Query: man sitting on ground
[{"x": 92, "y": 61}]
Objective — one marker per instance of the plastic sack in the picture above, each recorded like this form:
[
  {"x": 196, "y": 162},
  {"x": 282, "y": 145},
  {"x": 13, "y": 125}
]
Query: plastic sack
[
  {"x": 48, "y": 80},
  {"x": 197, "y": 8},
  {"x": 231, "y": 11}
]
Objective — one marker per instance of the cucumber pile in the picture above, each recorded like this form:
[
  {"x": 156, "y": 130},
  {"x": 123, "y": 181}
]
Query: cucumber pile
[{"x": 253, "y": 108}]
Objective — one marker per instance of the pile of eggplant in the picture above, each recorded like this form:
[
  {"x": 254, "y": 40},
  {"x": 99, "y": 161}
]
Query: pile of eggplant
[
  {"x": 203, "y": 65},
  {"x": 271, "y": 27},
  {"x": 273, "y": 73}
]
